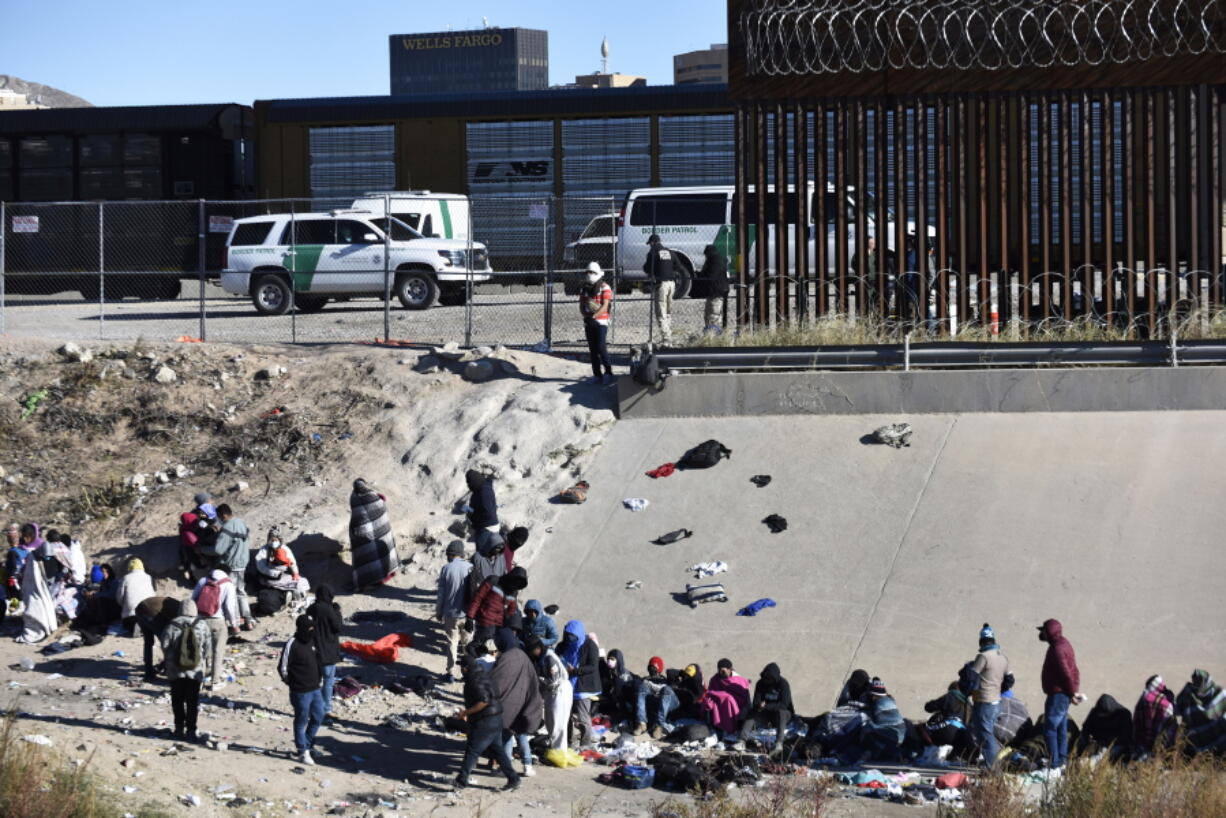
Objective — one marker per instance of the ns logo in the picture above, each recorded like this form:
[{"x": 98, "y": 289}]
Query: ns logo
[{"x": 511, "y": 171}]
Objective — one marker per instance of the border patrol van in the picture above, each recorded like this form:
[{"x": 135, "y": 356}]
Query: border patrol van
[
  {"x": 687, "y": 219},
  {"x": 434, "y": 215}
]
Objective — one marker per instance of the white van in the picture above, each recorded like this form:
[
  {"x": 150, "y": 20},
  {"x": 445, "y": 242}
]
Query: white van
[
  {"x": 434, "y": 215},
  {"x": 687, "y": 219}
]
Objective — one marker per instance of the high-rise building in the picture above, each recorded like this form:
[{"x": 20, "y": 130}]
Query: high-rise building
[
  {"x": 457, "y": 62},
  {"x": 707, "y": 66}
]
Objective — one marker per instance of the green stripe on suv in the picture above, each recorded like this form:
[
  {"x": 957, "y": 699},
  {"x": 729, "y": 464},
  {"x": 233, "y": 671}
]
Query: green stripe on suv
[
  {"x": 302, "y": 263},
  {"x": 446, "y": 214}
]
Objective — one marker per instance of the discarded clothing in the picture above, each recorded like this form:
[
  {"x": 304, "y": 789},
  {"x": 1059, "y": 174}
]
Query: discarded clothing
[
  {"x": 753, "y": 607},
  {"x": 385, "y": 651},
  {"x": 576, "y": 494},
  {"x": 635, "y": 503},
  {"x": 673, "y": 536},
  {"x": 701, "y": 594},
  {"x": 347, "y": 688},
  {"x": 634, "y": 584},
  {"x": 709, "y": 569},
  {"x": 895, "y": 435},
  {"x": 951, "y": 781},
  {"x": 760, "y": 480},
  {"x": 662, "y": 471},
  {"x": 776, "y": 523}
]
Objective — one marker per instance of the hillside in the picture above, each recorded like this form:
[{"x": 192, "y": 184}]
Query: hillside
[{"x": 44, "y": 94}]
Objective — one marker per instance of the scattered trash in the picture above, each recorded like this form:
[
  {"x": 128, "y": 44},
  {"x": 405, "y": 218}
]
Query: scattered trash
[
  {"x": 37, "y": 739},
  {"x": 190, "y": 800},
  {"x": 776, "y": 524},
  {"x": 662, "y": 471},
  {"x": 26, "y": 663},
  {"x": 634, "y": 584},
  {"x": 118, "y": 653},
  {"x": 895, "y": 435},
  {"x": 757, "y": 605},
  {"x": 635, "y": 503},
  {"x": 709, "y": 569},
  {"x": 576, "y": 494},
  {"x": 760, "y": 480},
  {"x": 673, "y": 536}
]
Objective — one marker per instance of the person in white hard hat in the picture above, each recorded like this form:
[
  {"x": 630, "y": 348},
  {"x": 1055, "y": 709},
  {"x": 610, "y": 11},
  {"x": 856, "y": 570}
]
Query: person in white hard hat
[{"x": 595, "y": 301}]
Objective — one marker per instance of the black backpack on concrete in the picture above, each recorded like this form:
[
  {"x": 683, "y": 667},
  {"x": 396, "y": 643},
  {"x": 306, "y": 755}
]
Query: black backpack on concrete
[{"x": 705, "y": 455}]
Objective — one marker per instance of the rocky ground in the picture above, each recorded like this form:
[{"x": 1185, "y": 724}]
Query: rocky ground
[{"x": 111, "y": 442}]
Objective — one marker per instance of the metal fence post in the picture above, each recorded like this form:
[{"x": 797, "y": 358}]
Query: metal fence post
[
  {"x": 101, "y": 270},
  {"x": 387, "y": 268},
  {"x": 468, "y": 280},
  {"x": 202, "y": 239},
  {"x": 2, "y": 231},
  {"x": 546, "y": 260}
]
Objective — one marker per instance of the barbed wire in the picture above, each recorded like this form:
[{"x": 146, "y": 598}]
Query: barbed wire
[{"x": 789, "y": 37}]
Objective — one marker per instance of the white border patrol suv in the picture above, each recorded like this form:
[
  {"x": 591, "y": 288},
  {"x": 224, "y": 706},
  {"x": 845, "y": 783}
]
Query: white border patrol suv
[{"x": 340, "y": 255}]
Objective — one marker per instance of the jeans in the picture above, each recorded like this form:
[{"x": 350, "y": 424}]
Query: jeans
[
  {"x": 983, "y": 730},
  {"x": 326, "y": 690},
  {"x": 598, "y": 346},
  {"x": 510, "y": 739},
  {"x": 664, "y": 309},
  {"x": 486, "y": 734},
  {"x": 149, "y": 631},
  {"x": 185, "y": 702},
  {"x": 308, "y": 716},
  {"x": 1055, "y": 729},
  {"x": 665, "y": 701}
]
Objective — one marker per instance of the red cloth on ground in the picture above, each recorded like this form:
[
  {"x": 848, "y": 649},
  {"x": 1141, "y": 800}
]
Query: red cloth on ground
[
  {"x": 663, "y": 471},
  {"x": 384, "y": 651},
  {"x": 951, "y": 781}
]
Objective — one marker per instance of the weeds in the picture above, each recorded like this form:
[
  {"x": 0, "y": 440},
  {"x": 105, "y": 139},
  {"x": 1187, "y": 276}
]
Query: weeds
[{"x": 780, "y": 798}]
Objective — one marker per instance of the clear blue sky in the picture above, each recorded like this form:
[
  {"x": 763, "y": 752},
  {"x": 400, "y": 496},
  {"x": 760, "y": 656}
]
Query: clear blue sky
[{"x": 152, "y": 52}]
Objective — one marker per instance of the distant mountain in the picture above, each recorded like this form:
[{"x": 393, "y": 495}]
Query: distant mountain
[{"x": 43, "y": 94}]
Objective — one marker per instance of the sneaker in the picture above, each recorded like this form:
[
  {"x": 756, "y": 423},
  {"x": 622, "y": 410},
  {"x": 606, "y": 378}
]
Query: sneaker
[
  {"x": 213, "y": 688},
  {"x": 529, "y": 771},
  {"x": 655, "y": 732},
  {"x": 511, "y": 786},
  {"x": 449, "y": 679},
  {"x": 305, "y": 758},
  {"x": 639, "y": 729},
  {"x": 460, "y": 782},
  {"x": 247, "y": 626},
  {"x": 609, "y": 378}
]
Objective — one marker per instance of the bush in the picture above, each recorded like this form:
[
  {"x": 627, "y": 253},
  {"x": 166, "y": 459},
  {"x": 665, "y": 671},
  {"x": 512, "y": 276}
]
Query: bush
[{"x": 780, "y": 798}]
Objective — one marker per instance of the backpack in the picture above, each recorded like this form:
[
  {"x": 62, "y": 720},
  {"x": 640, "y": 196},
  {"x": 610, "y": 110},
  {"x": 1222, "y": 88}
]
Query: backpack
[
  {"x": 209, "y": 600},
  {"x": 705, "y": 455},
  {"x": 634, "y": 777},
  {"x": 687, "y": 733},
  {"x": 190, "y": 655}
]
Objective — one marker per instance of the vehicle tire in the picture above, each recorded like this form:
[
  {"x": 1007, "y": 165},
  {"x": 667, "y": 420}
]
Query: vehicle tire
[
  {"x": 90, "y": 291},
  {"x": 685, "y": 280},
  {"x": 270, "y": 295},
  {"x": 310, "y": 303},
  {"x": 452, "y": 296},
  {"x": 416, "y": 289},
  {"x": 166, "y": 289}
]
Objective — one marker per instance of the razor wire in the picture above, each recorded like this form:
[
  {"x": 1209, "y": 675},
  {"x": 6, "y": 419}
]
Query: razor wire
[{"x": 813, "y": 37}]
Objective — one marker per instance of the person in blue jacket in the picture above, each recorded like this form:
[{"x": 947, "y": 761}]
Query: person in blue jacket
[{"x": 539, "y": 624}]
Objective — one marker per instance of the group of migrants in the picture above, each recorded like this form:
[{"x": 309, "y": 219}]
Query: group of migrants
[{"x": 529, "y": 682}]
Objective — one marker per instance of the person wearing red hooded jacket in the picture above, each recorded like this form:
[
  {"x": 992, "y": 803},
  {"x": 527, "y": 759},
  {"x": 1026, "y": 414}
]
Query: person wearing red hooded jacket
[{"x": 1061, "y": 684}]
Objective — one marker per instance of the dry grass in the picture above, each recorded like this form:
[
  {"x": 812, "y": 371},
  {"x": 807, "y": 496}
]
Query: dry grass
[
  {"x": 780, "y": 798},
  {"x": 840, "y": 330},
  {"x": 35, "y": 782}
]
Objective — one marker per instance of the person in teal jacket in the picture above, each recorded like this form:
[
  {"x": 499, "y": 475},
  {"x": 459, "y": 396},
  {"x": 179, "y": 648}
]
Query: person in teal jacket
[{"x": 539, "y": 624}]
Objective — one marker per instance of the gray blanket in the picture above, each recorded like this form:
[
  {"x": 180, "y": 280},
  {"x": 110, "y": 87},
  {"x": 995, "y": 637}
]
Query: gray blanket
[
  {"x": 370, "y": 537},
  {"x": 519, "y": 692}
]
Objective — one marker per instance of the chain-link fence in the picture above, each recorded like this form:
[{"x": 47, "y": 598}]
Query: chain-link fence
[{"x": 508, "y": 270}]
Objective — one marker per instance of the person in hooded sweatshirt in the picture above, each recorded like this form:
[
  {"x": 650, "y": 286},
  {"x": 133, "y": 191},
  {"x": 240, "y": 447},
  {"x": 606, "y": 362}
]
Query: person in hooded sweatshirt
[
  {"x": 302, "y": 672},
  {"x": 990, "y": 666},
  {"x": 655, "y": 700},
  {"x": 184, "y": 668},
  {"x": 482, "y": 714},
  {"x": 855, "y": 691},
  {"x": 1153, "y": 719},
  {"x": 618, "y": 687},
  {"x": 1202, "y": 706},
  {"x": 581, "y": 655},
  {"x": 1061, "y": 682},
  {"x": 136, "y": 587},
  {"x": 326, "y": 614},
  {"x": 715, "y": 271},
  {"x": 727, "y": 699},
  {"x": 539, "y": 624},
  {"x": 1108, "y": 726},
  {"x": 883, "y": 733},
  {"x": 452, "y": 592},
  {"x": 496, "y": 603},
  {"x": 482, "y": 507},
  {"x": 519, "y": 695},
  {"x": 771, "y": 706},
  {"x": 556, "y": 691}
]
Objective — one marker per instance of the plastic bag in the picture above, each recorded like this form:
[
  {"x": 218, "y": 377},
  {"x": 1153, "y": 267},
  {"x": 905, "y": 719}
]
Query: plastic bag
[{"x": 563, "y": 758}]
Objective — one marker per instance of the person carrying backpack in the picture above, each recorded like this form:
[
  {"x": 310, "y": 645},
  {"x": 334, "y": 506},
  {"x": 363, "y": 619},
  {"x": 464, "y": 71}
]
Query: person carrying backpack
[
  {"x": 214, "y": 598},
  {"x": 187, "y": 643}
]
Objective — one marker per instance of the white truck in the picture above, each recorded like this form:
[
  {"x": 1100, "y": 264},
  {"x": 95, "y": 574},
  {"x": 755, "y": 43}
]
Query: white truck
[
  {"x": 434, "y": 215},
  {"x": 303, "y": 260}
]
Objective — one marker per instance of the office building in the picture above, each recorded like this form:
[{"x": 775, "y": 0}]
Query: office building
[
  {"x": 709, "y": 66},
  {"x": 462, "y": 62}
]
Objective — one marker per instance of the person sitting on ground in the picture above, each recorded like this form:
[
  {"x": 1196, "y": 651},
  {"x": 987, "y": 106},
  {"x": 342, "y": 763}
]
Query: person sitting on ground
[
  {"x": 1202, "y": 707},
  {"x": 855, "y": 691},
  {"x": 1013, "y": 719},
  {"x": 884, "y": 730},
  {"x": 771, "y": 707},
  {"x": 618, "y": 688},
  {"x": 556, "y": 691},
  {"x": 135, "y": 588},
  {"x": 214, "y": 598},
  {"x": 539, "y": 624},
  {"x": 1107, "y": 728},
  {"x": 690, "y": 686},
  {"x": 277, "y": 568},
  {"x": 581, "y": 654},
  {"x": 655, "y": 700},
  {"x": 152, "y": 617},
  {"x": 1153, "y": 719},
  {"x": 482, "y": 508},
  {"x": 519, "y": 696},
  {"x": 197, "y": 531},
  {"x": 947, "y": 726},
  {"x": 302, "y": 672},
  {"x": 326, "y": 614},
  {"x": 76, "y": 559},
  {"x": 449, "y": 609},
  {"x": 495, "y": 603},
  {"x": 483, "y": 717},
  {"x": 59, "y": 574},
  {"x": 727, "y": 699},
  {"x": 372, "y": 545},
  {"x": 186, "y": 643}
]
